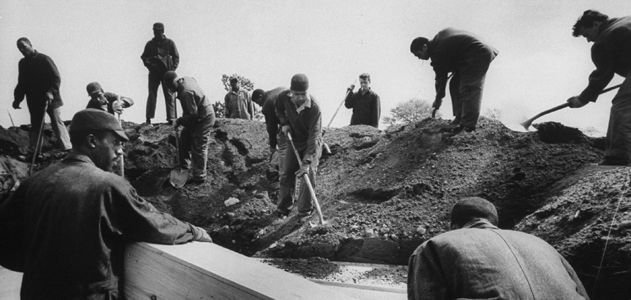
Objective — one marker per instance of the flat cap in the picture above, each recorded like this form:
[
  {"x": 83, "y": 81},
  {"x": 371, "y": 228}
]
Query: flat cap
[
  {"x": 299, "y": 83},
  {"x": 473, "y": 207},
  {"x": 96, "y": 120},
  {"x": 93, "y": 87}
]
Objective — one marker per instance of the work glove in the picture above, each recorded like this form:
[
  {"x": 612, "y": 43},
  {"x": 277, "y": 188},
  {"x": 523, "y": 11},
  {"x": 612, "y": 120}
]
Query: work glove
[
  {"x": 285, "y": 129},
  {"x": 350, "y": 88},
  {"x": 200, "y": 234},
  {"x": 16, "y": 105},
  {"x": 303, "y": 170},
  {"x": 576, "y": 102}
]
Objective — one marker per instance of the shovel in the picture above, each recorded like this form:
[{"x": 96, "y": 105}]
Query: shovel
[
  {"x": 327, "y": 149},
  {"x": 178, "y": 176},
  {"x": 122, "y": 158},
  {"x": 39, "y": 142},
  {"x": 307, "y": 181},
  {"x": 526, "y": 124}
]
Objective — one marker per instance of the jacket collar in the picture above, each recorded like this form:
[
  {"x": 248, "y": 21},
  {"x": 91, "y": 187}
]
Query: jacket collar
[
  {"x": 74, "y": 156},
  {"x": 479, "y": 223}
]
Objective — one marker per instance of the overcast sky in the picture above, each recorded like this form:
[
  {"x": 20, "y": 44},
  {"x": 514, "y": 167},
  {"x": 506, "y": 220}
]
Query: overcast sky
[{"x": 539, "y": 66}]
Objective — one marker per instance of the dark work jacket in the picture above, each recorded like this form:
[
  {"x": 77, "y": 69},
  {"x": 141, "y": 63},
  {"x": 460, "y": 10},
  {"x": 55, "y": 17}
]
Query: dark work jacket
[
  {"x": 306, "y": 126},
  {"x": 160, "y": 55},
  {"x": 480, "y": 261},
  {"x": 195, "y": 104},
  {"x": 38, "y": 75},
  {"x": 366, "y": 108},
  {"x": 69, "y": 224},
  {"x": 269, "y": 112},
  {"x": 109, "y": 100},
  {"x": 611, "y": 53},
  {"x": 452, "y": 49}
]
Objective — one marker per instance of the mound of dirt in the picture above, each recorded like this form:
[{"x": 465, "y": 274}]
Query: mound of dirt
[
  {"x": 589, "y": 223},
  {"x": 383, "y": 193}
]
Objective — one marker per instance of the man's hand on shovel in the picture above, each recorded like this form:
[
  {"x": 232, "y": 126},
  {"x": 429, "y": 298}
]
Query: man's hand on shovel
[{"x": 575, "y": 102}]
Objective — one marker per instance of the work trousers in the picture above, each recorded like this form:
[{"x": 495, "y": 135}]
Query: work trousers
[
  {"x": 288, "y": 167},
  {"x": 57, "y": 124},
  {"x": 619, "y": 129},
  {"x": 466, "y": 88},
  {"x": 194, "y": 146},
  {"x": 155, "y": 79}
]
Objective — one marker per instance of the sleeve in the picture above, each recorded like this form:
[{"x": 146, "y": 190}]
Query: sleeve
[
  {"x": 11, "y": 231},
  {"x": 441, "y": 83},
  {"x": 139, "y": 220},
  {"x": 375, "y": 111},
  {"x": 53, "y": 76},
  {"x": 20, "y": 91},
  {"x": 348, "y": 101},
  {"x": 175, "y": 54},
  {"x": 250, "y": 105},
  {"x": 271, "y": 123},
  {"x": 599, "y": 78},
  {"x": 146, "y": 55},
  {"x": 425, "y": 276},
  {"x": 314, "y": 142},
  {"x": 580, "y": 289},
  {"x": 280, "y": 110},
  {"x": 189, "y": 106},
  {"x": 226, "y": 105}
]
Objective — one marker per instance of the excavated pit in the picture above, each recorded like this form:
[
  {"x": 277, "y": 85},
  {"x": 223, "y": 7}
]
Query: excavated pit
[{"x": 382, "y": 193}]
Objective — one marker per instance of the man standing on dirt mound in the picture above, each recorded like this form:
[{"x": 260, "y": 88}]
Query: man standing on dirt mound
[
  {"x": 611, "y": 53},
  {"x": 468, "y": 59},
  {"x": 66, "y": 226},
  {"x": 477, "y": 260},
  {"x": 39, "y": 80},
  {"x": 197, "y": 119},
  {"x": 237, "y": 102},
  {"x": 365, "y": 103},
  {"x": 299, "y": 115},
  {"x": 267, "y": 100},
  {"x": 160, "y": 55}
]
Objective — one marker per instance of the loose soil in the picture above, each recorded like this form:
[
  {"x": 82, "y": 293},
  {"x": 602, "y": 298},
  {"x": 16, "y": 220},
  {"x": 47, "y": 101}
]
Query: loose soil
[{"x": 384, "y": 193}]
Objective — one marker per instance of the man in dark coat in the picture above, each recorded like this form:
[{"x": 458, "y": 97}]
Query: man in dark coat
[
  {"x": 299, "y": 114},
  {"x": 365, "y": 103},
  {"x": 267, "y": 101},
  {"x": 160, "y": 55},
  {"x": 106, "y": 101},
  {"x": 66, "y": 226},
  {"x": 611, "y": 53},
  {"x": 39, "y": 81},
  {"x": 197, "y": 119},
  {"x": 468, "y": 59},
  {"x": 476, "y": 260}
]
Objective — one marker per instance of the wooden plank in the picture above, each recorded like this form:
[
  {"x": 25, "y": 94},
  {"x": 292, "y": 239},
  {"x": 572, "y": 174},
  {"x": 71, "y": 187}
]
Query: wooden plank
[
  {"x": 208, "y": 271},
  {"x": 10, "y": 283}
]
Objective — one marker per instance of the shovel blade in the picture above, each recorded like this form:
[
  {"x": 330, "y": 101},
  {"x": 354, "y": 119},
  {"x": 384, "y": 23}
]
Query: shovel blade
[{"x": 178, "y": 177}]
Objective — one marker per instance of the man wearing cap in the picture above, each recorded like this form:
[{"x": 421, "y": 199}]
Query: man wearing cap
[
  {"x": 106, "y": 101},
  {"x": 365, "y": 103},
  {"x": 468, "y": 59},
  {"x": 66, "y": 226},
  {"x": 237, "y": 102},
  {"x": 476, "y": 260},
  {"x": 160, "y": 55},
  {"x": 299, "y": 115},
  {"x": 267, "y": 100},
  {"x": 197, "y": 119},
  {"x": 39, "y": 80}
]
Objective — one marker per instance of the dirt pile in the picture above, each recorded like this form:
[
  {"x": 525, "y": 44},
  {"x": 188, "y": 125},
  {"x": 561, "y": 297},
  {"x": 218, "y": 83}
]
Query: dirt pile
[{"x": 386, "y": 192}]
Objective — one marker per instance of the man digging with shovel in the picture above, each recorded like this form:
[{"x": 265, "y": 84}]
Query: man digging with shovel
[
  {"x": 198, "y": 118},
  {"x": 611, "y": 53},
  {"x": 299, "y": 115}
]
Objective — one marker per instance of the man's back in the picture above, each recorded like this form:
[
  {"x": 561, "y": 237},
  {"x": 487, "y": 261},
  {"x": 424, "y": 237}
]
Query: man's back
[
  {"x": 75, "y": 219},
  {"x": 491, "y": 263}
]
